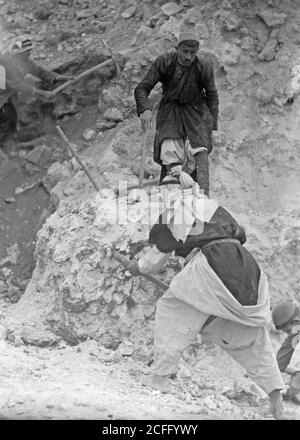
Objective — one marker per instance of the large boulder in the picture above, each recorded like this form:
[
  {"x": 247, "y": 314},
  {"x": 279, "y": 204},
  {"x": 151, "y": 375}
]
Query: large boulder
[{"x": 78, "y": 290}]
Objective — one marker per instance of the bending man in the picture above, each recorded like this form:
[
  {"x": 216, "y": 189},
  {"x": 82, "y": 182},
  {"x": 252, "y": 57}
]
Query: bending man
[{"x": 221, "y": 292}]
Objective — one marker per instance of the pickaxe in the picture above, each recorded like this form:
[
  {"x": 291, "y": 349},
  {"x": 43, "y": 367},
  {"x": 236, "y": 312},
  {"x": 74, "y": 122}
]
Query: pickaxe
[
  {"x": 88, "y": 72},
  {"x": 119, "y": 257}
]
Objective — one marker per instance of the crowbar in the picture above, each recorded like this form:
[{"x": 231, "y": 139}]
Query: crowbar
[
  {"x": 73, "y": 152},
  {"x": 143, "y": 158}
]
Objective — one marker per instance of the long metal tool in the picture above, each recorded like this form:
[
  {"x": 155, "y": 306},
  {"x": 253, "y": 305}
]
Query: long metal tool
[
  {"x": 119, "y": 257},
  {"x": 73, "y": 152},
  {"x": 143, "y": 158}
]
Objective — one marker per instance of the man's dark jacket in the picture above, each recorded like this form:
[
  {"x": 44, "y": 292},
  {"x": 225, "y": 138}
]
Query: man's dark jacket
[{"x": 189, "y": 106}]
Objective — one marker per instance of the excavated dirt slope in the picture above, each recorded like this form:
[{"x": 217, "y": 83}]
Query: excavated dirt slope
[{"x": 94, "y": 321}]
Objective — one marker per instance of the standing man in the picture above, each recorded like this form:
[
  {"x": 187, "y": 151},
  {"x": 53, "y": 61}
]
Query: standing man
[
  {"x": 188, "y": 111},
  {"x": 20, "y": 71}
]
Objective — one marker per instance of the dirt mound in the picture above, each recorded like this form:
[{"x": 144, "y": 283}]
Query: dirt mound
[{"x": 78, "y": 290}]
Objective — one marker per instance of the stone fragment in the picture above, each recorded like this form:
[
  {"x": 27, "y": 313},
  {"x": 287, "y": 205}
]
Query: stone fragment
[
  {"x": 31, "y": 169},
  {"x": 3, "y": 287},
  {"x": 113, "y": 114},
  {"x": 39, "y": 156},
  {"x": 129, "y": 12},
  {"x": 24, "y": 188},
  {"x": 192, "y": 16},
  {"x": 207, "y": 401},
  {"x": 143, "y": 33},
  {"x": 12, "y": 252},
  {"x": 295, "y": 82},
  {"x": 272, "y": 18},
  {"x": 171, "y": 26},
  {"x": 171, "y": 8},
  {"x": 9, "y": 200},
  {"x": 57, "y": 193},
  {"x": 152, "y": 21},
  {"x": 269, "y": 51},
  {"x": 13, "y": 293},
  {"x": 76, "y": 184},
  {"x": 65, "y": 105},
  {"x": 88, "y": 134},
  {"x": 229, "y": 21},
  {"x": 247, "y": 393},
  {"x": 83, "y": 14},
  {"x": 105, "y": 125},
  {"x": 126, "y": 348},
  {"x": 42, "y": 12},
  {"x": 230, "y": 54},
  {"x": 57, "y": 172}
]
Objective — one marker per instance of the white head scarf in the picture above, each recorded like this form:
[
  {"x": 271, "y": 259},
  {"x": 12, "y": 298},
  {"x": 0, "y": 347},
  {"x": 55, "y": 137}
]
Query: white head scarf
[{"x": 186, "y": 208}]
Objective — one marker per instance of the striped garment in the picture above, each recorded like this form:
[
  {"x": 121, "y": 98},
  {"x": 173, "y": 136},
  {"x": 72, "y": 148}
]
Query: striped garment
[{"x": 189, "y": 107}]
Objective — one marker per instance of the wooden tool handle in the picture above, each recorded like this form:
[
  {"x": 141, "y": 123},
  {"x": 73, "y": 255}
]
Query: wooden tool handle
[
  {"x": 73, "y": 152},
  {"x": 119, "y": 257}
]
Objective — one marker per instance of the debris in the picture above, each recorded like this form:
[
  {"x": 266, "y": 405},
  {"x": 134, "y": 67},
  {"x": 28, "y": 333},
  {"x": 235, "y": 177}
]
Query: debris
[
  {"x": 39, "y": 156},
  {"x": 113, "y": 115},
  {"x": 12, "y": 252},
  {"x": 105, "y": 125},
  {"x": 65, "y": 105},
  {"x": 3, "y": 287},
  {"x": 31, "y": 169},
  {"x": 143, "y": 33},
  {"x": 9, "y": 199},
  {"x": 129, "y": 12},
  {"x": 207, "y": 401},
  {"x": 248, "y": 393},
  {"x": 88, "y": 134},
  {"x": 42, "y": 12},
  {"x": 171, "y": 8},
  {"x": 24, "y": 188},
  {"x": 82, "y": 14},
  {"x": 32, "y": 143},
  {"x": 126, "y": 348},
  {"x": 269, "y": 51},
  {"x": 272, "y": 18},
  {"x": 57, "y": 172}
]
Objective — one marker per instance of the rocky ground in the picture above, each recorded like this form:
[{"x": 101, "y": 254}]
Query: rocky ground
[{"x": 77, "y": 329}]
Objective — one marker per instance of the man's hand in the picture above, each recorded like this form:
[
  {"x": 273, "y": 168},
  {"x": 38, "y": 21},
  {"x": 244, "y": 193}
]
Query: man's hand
[
  {"x": 146, "y": 118},
  {"x": 133, "y": 268},
  {"x": 59, "y": 77}
]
